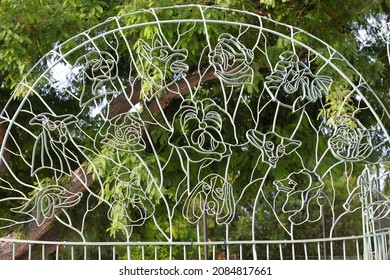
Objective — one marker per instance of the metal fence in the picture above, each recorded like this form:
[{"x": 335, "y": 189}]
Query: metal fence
[{"x": 364, "y": 247}]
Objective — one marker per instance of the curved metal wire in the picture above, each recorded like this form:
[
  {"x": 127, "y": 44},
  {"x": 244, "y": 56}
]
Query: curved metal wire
[{"x": 132, "y": 119}]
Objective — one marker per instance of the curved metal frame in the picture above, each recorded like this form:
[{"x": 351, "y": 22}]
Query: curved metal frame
[{"x": 99, "y": 156}]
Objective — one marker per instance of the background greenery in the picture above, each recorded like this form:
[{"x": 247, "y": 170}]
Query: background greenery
[{"x": 29, "y": 29}]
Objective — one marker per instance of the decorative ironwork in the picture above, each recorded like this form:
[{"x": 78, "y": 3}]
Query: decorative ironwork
[{"x": 191, "y": 123}]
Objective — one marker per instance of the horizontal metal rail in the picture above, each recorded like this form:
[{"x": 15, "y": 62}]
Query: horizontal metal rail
[{"x": 370, "y": 246}]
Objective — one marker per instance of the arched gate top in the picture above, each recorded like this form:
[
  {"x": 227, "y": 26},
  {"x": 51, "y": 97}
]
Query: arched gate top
[{"x": 190, "y": 123}]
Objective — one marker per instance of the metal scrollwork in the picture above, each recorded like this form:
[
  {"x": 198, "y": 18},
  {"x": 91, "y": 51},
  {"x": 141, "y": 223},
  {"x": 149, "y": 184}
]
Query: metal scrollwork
[{"x": 195, "y": 125}]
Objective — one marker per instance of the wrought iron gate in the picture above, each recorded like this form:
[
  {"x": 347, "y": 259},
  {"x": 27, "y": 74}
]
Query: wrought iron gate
[{"x": 194, "y": 132}]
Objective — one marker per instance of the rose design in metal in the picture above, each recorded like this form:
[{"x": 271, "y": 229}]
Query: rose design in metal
[
  {"x": 100, "y": 68},
  {"x": 130, "y": 207},
  {"x": 123, "y": 133},
  {"x": 193, "y": 123},
  {"x": 231, "y": 61},
  {"x": 161, "y": 65},
  {"x": 350, "y": 141}
]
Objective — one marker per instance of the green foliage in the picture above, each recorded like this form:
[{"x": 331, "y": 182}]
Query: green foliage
[
  {"x": 26, "y": 36},
  {"x": 271, "y": 3},
  {"x": 338, "y": 102}
]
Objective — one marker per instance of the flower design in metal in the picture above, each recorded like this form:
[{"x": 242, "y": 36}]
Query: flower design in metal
[
  {"x": 206, "y": 119},
  {"x": 200, "y": 130},
  {"x": 214, "y": 196},
  {"x": 99, "y": 68},
  {"x": 272, "y": 145},
  {"x": 131, "y": 206},
  {"x": 375, "y": 204},
  {"x": 123, "y": 133},
  {"x": 47, "y": 201},
  {"x": 350, "y": 141},
  {"x": 293, "y": 84},
  {"x": 161, "y": 65},
  {"x": 50, "y": 149},
  {"x": 300, "y": 195},
  {"x": 231, "y": 61}
]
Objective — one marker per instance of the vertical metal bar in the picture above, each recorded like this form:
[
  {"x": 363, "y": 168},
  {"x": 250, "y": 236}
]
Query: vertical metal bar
[
  {"x": 198, "y": 239},
  {"x": 213, "y": 252},
  {"x": 205, "y": 235},
  {"x": 305, "y": 249},
  {"x": 72, "y": 252},
  {"x": 344, "y": 250},
  {"x": 374, "y": 252},
  {"x": 128, "y": 253},
  {"x": 13, "y": 250},
  {"x": 85, "y": 252},
  {"x": 280, "y": 251},
  {"x": 29, "y": 251},
  {"x": 267, "y": 249},
  {"x": 241, "y": 252},
  {"x": 113, "y": 252},
  {"x": 155, "y": 253},
  {"x": 99, "y": 253},
  {"x": 192, "y": 250},
  {"x": 293, "y": 251},
  {"x": 323, "y": 229},
  {"x": 367, "y": 253},
  {"x": 319, "y": 250},
  {"x": 254, "y": 252},
  {"x": 331, "y": 250},
  {"x": 170, "y": 252},
  {"x": 43, "y": 251},
  {"x": 357, "y": 249},
  {"x": 227, "y": 252},
  {"x": 381, "y": 252},
  {"x": 143, "y": 252},
  {"x": 57, "y": 252}
]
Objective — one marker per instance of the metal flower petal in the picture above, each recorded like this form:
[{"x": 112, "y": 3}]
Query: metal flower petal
[
  {"x": 131, "y": 206},
  {"x": 161, "y": 65},
  {"x": 123, "y": 133},
  {"x": 51, "y": 148},
  {"x": 200, "y": 131},
  {"x": 47, "y": 201},
  {"x": 350, "y": 141},
  {"x": 231, "y": 61},
  {"x": 99, "y": 68},
  {"x": 214, "y": 196},
  {"x": 293, "y": 84},
  {"x": 299, "y": 194}
]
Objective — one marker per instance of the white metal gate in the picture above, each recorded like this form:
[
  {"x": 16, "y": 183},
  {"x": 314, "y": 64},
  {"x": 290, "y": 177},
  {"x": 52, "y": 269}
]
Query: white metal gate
[{"x": 172, "y": 132}]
